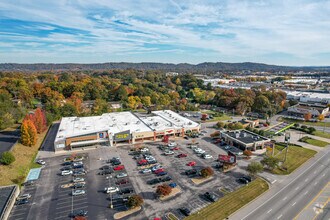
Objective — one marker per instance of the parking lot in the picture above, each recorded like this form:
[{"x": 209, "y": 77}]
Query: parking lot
[{"x": 52, "y": 196}]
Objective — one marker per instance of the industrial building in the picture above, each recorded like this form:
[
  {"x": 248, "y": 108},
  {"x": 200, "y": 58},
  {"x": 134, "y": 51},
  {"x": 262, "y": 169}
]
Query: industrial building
[
  {"x": 244, "y": 140},
  {"x": 309, "y": 97},
  {"x": 115, "y": 128},
  {"x": 301, "y": 109}
]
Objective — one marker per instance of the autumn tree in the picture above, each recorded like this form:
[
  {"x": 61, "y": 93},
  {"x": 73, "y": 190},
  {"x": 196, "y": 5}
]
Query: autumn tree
[
  {"x": 308, "y": 116},
  {"x": 134, "y": 201},
  {"x": 321, "y": 117},
  {"x": 163, "y": 190},
  {"x": 39, "y": 121},
  {"x": 28, "y": 133},
  {"x": 207, "y": 172}
]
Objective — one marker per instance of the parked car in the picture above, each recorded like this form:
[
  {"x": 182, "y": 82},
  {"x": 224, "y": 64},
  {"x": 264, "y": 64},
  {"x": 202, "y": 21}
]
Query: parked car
[
  {"x": 159, "y": 170},
  {"x": 165, "y": 179},
  {"x": 116, "y": 162},
  {"x": 111, "y": 189},
  {"x": 142, "y": 162},
  {"x": 169, "y": 152},
  {"x": 119, "y": 167},
  {"x": 66, "y": 163},
  {"x": 29, "y": 183},
  {"x": 191, "y": 172},
  {"x": 79, "y": 173},
  {"x": 153, "y": 181},
  {"x": 78, "y": 166},
  {"x": 66, "y": 168},
  {"x": 207, "y": 156},
  {"x": 79, "y": 185},
  {"x": 191, "y": 163},
  {"x": 126, "y": 191},
  {"x": 172, "y": 144},
  {"x": 243, "y": 180},
  {"x": 156, "y": 167},
  {"x": 248, "y": 178},
  {"x": 78, "y": 192},
  {"x": 210, "y": 196},
  {"x": 41, "y": 162},
  {"x": 122, "y": 182},
  {"x": 186, "y": 137},
  {"x": 184, "y": 211},
  {"x": 144, "y": 149},
  {"x": 105, "y": 172},
  {"x": 172, "y": 185},
  {"x": 77, "y": 163},
  {"x": 162, "y": 173},
  {"x": 66, "y": 172},
  {"x": 121, "y": 175},
  {"x": 22, "y": 202},
  {"x": 78, "y": 179},
  {"x": 24, "y": 196},
  {"x": 199, "y": 151},
  {"x": 152, "y": 161},
  {"x": 105, "y": 167},
  {"x": 76, "y": 213},
  {"x": 175, "y": 148},
  {"x": 182, "y": 155},
  {"x": 146, "y": 171}
]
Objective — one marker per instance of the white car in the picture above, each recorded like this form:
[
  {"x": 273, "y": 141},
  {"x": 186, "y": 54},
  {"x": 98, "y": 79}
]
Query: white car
[
  {"x": 78, "y": 192},
  {"x": 146, "y": 171},
  {"x": 41, "y": 162},
  {"x": 150, "y": 158},
  {"x": 24, "y": 196},
  {"x": 169, "y": 152},
  {"x": 121, "y": 175},
  {"x": 199, "y": 151},
  {"x": 66, "y": 172},
  {"x": 172, "y": 144},
  {"x": 111, "y": 189},
  {"x": 154, "y": 168},
  {"x": 78, "y": 163},
  {"x": 207, "y": 156},
  {"x": 144, "y": 149},
  {"x": 78, "y": 179}
]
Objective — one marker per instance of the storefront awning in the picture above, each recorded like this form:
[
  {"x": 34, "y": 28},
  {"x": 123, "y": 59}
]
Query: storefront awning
[{"x": 81, "y": 143}]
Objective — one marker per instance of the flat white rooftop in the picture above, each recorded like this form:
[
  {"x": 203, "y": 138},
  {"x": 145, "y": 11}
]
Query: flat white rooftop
[
  {"x": 116, "y": 122},
  {"x": 309, "y": 94}
]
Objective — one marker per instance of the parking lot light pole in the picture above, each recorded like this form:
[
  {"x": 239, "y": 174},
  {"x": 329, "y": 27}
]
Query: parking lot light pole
[{"x": 111, "y": 205}]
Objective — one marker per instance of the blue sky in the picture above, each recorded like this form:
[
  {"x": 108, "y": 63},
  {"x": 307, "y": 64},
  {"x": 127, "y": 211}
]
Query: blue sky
[{"x": 286, "y": 32}]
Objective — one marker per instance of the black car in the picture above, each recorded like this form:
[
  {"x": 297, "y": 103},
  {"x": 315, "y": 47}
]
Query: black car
[
  {"x": 28, "y": 183},
  {"x": 80, "y": 166},
  {"x": 79, "y": 213},
  {"x": 126, "y": 191},
  {"x": 186, "y": 137},
  {"x": 66, "y": 168},
  {"x": 105, "y": 167},
  {"x": 67, "y": 163},
  {"x": 185, "y": 211},
  {"x": 243, "y": 180},
  {"x": 153, "y": 181},
  {"x": 116, "y": 162},
  {"x": 152, "y": 162},
  {"x": 248, "y": 178},
  {"x": 79, "y": 185},
  {"x": 191, "y": 172},
  {"x": 210, "y": 196},
  {"x": 165, "y": 179},
  {"x": 22, "y": 202},
  {"x": 105, "y": 172}
]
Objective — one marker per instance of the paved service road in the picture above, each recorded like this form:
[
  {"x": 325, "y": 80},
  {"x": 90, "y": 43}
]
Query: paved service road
[
  {"x": 8, "y": 139},
  {"x": 288, "y": 197}
]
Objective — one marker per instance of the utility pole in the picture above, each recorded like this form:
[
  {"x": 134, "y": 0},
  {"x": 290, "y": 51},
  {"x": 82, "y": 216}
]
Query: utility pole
[
  {"x": 287, "y": 139},
  {"x": 111, "y": 205}
]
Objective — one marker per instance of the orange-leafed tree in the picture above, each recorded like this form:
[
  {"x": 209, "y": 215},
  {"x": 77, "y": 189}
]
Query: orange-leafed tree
[
  {"x": 40, "y": 120},
  {"x": 25, "y": 135},
  {"x": 32, "y": 133},
  {"x": 307, "y": 116},
  {"x": 321, "y": 117}
]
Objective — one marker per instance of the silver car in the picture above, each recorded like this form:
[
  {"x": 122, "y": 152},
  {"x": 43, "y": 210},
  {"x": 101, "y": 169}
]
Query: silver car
[
  {"x": 121, "y": 175},
  {"x": 78, "y": 192}
]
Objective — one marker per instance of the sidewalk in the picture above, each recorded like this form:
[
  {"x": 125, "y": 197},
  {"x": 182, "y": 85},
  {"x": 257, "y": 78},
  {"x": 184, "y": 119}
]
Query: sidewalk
[{"x": 316, "y": 206}]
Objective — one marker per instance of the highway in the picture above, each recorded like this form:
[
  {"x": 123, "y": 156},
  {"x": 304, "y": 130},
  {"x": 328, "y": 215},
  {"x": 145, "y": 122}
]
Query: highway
[{"x": 286, "y": 198}]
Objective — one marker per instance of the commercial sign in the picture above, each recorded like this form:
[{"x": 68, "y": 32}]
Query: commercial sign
[
  {"x": 227, "y": 158},
  {"x": 122, "y": 136}
]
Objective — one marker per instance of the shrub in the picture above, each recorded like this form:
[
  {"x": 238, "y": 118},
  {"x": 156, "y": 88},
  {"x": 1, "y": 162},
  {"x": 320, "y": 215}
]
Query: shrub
[
  {"x": 220, "y": 124},
  {"x": 311, "y": 130},
  {"x": 254, "y": 168},
  {"x": 135, "y": 201},
  {"x": 304, "y": 127},
  {"x": 206, "y": 172},
  {"x": 7, "y": 158},
  {"x": 247, "y": 153},
  {"x": 163, "y": 190},
  {"x": 270, "y": 162},
  {"x": 215, "y": 134},
  {"x": 296, "y": 125}
]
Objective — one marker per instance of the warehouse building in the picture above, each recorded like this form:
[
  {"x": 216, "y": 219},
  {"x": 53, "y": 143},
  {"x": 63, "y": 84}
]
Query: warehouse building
[
  {"x": 298, "y": 111},
  {"x": 244, "y": 140},
  {"x": 112, "y": 129}
]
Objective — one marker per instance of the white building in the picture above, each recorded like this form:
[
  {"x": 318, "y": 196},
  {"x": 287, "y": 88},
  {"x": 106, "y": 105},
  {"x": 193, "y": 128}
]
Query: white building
[
  {"x": 115, "y": 128},
  {"x": 311, "y": 97}
]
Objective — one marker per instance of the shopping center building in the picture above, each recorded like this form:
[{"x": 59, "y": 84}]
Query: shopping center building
[{"x": 112, "y": 129}]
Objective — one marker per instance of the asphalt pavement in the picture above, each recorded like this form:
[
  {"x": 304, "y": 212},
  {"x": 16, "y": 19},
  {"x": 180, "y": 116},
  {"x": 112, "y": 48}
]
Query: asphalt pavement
[
  {"x": 288, "y": 197},
  {"x": 8, "y": 139}
]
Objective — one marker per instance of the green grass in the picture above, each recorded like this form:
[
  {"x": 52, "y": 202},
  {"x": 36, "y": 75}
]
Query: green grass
[
  {"x": 219, "y": 118},
  {"x": 322, "y": 134},
  {"x": 231, "y": 202},
  {"x": 171, "y": 216},
  {"x": 313, "y": 141},
  {"x": 309, "y": 123},
  {"x": 295, "y": 158}
]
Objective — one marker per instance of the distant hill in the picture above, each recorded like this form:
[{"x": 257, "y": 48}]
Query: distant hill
[{"x": 182, "y": 67}]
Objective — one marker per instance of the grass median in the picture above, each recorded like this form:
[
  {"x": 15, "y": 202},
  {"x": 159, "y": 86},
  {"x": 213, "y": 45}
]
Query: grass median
[
  {"x": 313, "y": 141},
  {"x": 295, "y": 158},
  {"x": 321, "y": 134},
  {"x": 16, "y": 172},
  {"x": 231, "y": 202}
]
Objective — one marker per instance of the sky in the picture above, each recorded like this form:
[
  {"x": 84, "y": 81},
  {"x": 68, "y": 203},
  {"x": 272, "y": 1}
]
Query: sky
[{"x": 283, "y": 32}]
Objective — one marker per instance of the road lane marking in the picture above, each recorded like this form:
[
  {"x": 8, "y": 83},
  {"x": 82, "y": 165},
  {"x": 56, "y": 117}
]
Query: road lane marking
[
  {"x": 279, "y": 216},
  {"x": 305, "y": 192},
  {"x": 315, "y": 183},
  {"x": 269, "y": 210},
  {"x": 323, "y": 175},
  {"x": 294, "y": 203},
  {"x": 285, "y": 198},
  {"x": 306, "y": 179},
  {"x": 297, "y": 188}
]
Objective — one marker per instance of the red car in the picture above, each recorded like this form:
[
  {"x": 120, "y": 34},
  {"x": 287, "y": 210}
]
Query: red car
[
  {"x": 176, "y": 148},
  {"x": 217, "y": 141},
  {"x": 142, "y": 162},
  {"x": 122, "y": 182},
  {"x": 159, "y": 170},
  {"x": 182, "y": 155},
  {"x": 191, "y": 163},
  {"x": 120, "y": 167}
]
